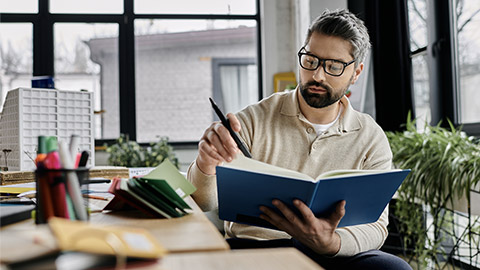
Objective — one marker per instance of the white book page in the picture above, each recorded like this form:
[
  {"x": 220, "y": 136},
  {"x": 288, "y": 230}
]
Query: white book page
[
  {"x": 340, "y": 173},
  {"x": 243, "y": 163}
]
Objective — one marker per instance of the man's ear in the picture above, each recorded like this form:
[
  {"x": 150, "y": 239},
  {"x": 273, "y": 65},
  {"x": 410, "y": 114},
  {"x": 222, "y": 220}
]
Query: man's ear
[{"x": 357, "y": 73}]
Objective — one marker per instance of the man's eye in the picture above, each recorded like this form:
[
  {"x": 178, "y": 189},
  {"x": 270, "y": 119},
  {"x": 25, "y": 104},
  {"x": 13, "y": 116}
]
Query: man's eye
[
  {"x": 334, "y": 66},
  {"x": 311, "y": 61}
]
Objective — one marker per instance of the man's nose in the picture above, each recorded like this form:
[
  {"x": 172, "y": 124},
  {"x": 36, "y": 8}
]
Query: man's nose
[{"x": 319, "y": 74}]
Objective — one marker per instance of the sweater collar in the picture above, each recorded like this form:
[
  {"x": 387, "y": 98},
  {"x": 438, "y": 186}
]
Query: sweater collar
[{"x": 348, "y": 121}]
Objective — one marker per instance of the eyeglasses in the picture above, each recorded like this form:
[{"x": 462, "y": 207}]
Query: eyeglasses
[{"x": 330, "y": 66}]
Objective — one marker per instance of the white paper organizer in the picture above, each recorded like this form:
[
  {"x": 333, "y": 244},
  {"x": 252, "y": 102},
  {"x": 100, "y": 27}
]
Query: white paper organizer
[{"x": 30, "y": 112}]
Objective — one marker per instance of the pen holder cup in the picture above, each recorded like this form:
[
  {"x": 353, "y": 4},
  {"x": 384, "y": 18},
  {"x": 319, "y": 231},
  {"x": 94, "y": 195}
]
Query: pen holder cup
[{"x": 60, "y": 194}]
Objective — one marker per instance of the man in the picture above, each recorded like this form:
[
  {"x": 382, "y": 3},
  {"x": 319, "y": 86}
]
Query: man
[{"x": 313, "y": 129}]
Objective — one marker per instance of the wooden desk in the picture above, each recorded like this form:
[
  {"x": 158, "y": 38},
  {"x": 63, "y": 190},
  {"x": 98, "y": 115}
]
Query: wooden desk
[
  {"x": 193, "y": 242},
  {"x": 193, "y": 232},
  {"x": 190, "y": 233},
  {"x": 265, "y": 259}
]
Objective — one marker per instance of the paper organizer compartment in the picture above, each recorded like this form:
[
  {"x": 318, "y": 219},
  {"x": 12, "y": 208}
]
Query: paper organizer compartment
[{"x": 60, "y": 194}]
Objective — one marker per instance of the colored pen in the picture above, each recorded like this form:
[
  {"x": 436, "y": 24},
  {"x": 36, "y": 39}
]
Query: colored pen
[
  {"x": 234, "y": 135},
  {"x": 57, "y": 193},
  {"x": 73, "y": 185}
]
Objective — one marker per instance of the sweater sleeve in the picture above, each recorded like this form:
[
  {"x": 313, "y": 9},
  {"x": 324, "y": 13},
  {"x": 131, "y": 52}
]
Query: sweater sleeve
[
  {"x": 356, "y": 239},
  {"x": 206, "y": 194}
]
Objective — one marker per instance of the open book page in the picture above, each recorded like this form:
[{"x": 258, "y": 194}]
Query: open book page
[
  {"x": 339, "y": 173},
  {"x": 243, "y": 163}
]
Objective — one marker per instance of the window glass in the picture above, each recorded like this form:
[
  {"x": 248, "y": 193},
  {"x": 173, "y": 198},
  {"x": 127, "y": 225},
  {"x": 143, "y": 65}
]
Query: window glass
[
  {"x": 421, "y": 88},
  {"x": 417, "y": 16},
  {"x": 86, "y": 55},
  {"x": 238, "y": 86},
  {"x": 174, "y": 74},
  {"x": 417, "y": 19},
  {"x": 16, "y": 57},
  {"x": 86, "y": 6},
  {"x": 18, "y": 6},
  {"x": 468, "y": 23},
  {"x": 195, "y": 7}
]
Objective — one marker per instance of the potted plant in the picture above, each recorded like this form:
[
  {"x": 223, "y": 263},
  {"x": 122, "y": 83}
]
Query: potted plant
[
  {"x": 445, "y": 165},
  {"x": 125, "y": 152}
]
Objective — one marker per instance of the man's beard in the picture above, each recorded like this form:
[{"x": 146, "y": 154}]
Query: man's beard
[{"x": 315, "y": 100}]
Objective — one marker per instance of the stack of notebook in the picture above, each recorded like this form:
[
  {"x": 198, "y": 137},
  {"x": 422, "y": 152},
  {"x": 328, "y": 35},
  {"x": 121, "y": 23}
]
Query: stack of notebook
[{"x": 160, "y": 193}]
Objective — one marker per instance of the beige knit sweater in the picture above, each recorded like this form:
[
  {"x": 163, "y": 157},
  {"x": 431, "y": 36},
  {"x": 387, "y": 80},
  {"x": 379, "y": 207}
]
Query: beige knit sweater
[{"x": 276, "y": 132}]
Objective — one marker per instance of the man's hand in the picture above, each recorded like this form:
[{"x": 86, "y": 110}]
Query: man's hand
[
  {"x": 217, "y": 146},
  {"x": 316, "y": 233}
]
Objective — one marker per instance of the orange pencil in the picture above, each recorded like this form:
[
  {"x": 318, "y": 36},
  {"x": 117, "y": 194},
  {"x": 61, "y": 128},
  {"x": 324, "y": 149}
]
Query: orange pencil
[{"x": 94, "y": 197}]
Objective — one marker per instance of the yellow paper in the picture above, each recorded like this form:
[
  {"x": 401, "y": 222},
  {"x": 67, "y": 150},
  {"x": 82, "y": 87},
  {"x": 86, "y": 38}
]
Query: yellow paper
[
  {"x": 108, "y": 240},
  {"x": 15, "y": 190}
]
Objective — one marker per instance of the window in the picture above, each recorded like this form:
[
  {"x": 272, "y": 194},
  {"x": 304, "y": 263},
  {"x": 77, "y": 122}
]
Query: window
[
  {"x": 174, "y": 76},
  {"x": 417, "y": 12},
  {"x": 452, "y": 63},
  {"x": 195, "y": 7},
  {"x": 86, "y": 6},
  {"x": 23, "y": 6},
  {"x": 235, "y": 83},
  {"x": 468, "y": 23},
  {"x": 16, "y": 57},
  {"x": 85, "y": 56},
  {"x": 149, "y": 62}
]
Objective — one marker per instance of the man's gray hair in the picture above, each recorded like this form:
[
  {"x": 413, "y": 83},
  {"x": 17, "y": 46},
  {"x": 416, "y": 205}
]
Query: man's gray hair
[{"x": 343, "y": 24}]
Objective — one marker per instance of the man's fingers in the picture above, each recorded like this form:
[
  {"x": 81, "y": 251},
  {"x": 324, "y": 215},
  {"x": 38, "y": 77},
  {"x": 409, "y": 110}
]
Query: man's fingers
[
  {"x": 209, "y": 151},
  {"x": 226, "y": 139},
  {"x": 306, "y": 212},
  {"x": 336, "y": 216},
  {"x": 234, "y": 123},
  {"x": 217, "y": 144},
  {"x": 273, "y": 218},
  {"x": 287, "y": 213}
]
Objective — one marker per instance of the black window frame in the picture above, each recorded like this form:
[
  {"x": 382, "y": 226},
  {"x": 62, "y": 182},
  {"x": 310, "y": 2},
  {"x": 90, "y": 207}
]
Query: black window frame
[{"x": 43, "y": 48}]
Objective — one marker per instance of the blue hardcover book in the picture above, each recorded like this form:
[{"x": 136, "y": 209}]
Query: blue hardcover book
[{"x": 245, "y": 184}]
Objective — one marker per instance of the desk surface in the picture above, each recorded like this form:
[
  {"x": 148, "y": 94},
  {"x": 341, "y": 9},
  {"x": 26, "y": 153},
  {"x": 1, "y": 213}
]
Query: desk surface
[
  {"x": 193, "y": 232},
  {"x": 193, "y": 242},
  {"x": 265, "y": 259}
]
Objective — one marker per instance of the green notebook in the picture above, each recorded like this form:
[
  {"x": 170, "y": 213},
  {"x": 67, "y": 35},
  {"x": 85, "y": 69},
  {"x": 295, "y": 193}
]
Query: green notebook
[
  {"x": 174, "y": 178},
  {"x": 160, "y": 193}
]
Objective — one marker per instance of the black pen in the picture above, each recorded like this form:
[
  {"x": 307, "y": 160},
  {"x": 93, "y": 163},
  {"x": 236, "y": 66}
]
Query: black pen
[
  {"x": 83, "y": 159},
  {"x": 97, "y": 181},
  {"x": 234, "y": 135}
]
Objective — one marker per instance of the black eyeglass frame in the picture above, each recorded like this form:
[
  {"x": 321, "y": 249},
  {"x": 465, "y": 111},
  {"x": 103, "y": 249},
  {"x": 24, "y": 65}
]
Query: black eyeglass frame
[{"x": 322, "y": 61}]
